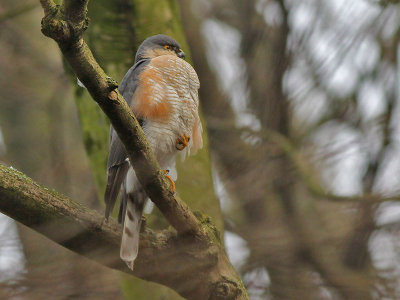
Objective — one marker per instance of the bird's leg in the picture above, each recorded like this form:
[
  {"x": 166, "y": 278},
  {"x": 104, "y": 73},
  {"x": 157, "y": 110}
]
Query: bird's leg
[
  {"x": 170, "y": 180},
  {"x": 182, "y": 142},
  {"x": 144, "y": 224}
]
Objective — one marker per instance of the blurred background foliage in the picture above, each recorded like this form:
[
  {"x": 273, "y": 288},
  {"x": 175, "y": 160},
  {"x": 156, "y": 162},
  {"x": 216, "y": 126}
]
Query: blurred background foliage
[{"x": 300, "y": 101}]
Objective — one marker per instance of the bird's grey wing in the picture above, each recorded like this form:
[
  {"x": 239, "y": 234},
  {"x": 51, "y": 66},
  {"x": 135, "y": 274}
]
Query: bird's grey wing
[{"x": 117, "y": 164}]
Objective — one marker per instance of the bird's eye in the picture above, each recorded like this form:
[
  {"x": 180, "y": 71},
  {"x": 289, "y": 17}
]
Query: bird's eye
[{"x": 168, "y": 47}]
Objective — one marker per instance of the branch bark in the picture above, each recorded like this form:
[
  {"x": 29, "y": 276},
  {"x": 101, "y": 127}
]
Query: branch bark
[{"x": 196, "y": 269}]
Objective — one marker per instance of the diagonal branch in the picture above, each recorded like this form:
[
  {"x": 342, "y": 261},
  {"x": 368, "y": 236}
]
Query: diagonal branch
[{"x": 68, "y": 34}]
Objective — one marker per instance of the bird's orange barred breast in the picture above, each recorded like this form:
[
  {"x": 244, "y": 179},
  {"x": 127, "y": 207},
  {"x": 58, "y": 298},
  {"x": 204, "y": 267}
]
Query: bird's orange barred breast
[
  {"x": 166, "y": 80},
  {"x": 167, "y": 94},
  {"x": 150, "y": 96}
]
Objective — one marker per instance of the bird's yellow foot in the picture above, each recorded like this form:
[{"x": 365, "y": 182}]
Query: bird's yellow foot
[
  {"x": 182, "y": 142},
  {"x": 170, "y": 180}
]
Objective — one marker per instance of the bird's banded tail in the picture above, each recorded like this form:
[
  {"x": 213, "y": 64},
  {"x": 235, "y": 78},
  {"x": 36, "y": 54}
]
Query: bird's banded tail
[{"x": 131, "y": 230}]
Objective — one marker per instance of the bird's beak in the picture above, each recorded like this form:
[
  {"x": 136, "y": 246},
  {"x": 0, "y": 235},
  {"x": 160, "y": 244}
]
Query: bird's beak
[{"x": 181, "y": 54}]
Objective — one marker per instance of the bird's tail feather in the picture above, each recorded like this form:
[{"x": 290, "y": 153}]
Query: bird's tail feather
[
  {"x": 116, "y": 175},
  {"x": 131, "y": 230},
  {"x": 122, "y": 207}
]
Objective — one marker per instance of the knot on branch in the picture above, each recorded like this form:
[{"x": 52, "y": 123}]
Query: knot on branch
[
  {"x": 57, "y": 26},
  {"x": 113, "y": 95},
  {"x": 225, "y": 290}
]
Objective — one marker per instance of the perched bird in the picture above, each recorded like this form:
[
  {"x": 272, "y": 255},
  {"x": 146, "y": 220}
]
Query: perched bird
[{"x": 162, "y": 90}]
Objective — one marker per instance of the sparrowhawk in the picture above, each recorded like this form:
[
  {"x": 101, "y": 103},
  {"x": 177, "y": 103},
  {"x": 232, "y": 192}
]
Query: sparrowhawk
[{"x": 162, "y": 90}]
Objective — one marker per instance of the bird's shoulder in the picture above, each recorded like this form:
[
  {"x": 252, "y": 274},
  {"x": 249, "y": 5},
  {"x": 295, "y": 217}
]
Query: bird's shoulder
[
  {"x": 128, "y": 86},
  {"x": 130, "y": 82},
  {"x": 173, "y": 67}
]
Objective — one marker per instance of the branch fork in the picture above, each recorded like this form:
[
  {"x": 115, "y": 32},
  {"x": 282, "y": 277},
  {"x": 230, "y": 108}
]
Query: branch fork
[{"x": 61, "y": 26}]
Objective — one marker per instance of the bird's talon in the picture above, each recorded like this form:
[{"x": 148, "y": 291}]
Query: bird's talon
[
  {"x": 172, "y": 183},
  {"x": 182, "y": 142}
]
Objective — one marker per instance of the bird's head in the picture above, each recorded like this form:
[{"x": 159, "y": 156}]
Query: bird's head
[{"x": 158, "y": 45}]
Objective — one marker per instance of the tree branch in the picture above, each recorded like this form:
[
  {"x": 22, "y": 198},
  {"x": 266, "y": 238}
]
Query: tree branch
[
  {"x": 76, "y": 10},
  {"x": 308, "y": 178},
  {"x": 48, "y": 6},
  {"x": 195, "y": 269}
]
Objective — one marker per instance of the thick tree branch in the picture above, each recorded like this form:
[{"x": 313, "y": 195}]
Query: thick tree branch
[{"x": 194, "y": 268}]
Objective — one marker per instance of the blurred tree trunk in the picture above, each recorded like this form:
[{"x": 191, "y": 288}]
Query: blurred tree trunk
[
  {"x": 260, "y": 179},
  {"x": 278, "y": 219}
]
